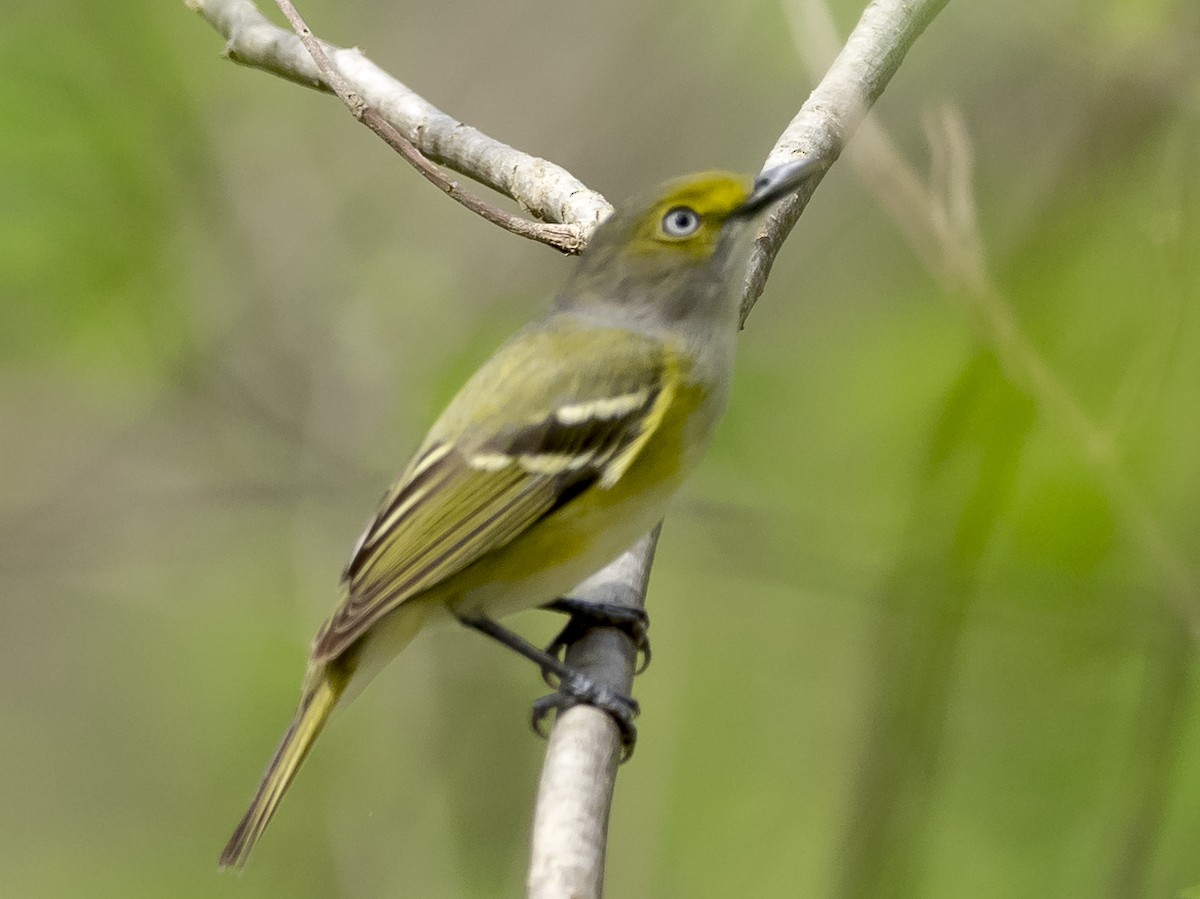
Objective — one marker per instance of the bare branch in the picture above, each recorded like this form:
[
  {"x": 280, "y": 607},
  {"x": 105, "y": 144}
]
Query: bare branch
[
  {"x": 833, "y": 112},
  {"x": 873, "y": 53},
  {"x": 545, "y": 190},
  {"x": 579, "y": 771},
  {"x": 570, "y": 824},
  {"x": 566, "y": 238}
]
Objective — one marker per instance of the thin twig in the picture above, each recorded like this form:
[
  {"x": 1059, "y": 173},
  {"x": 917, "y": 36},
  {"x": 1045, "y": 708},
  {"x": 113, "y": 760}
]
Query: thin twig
[
  {"x": 581, "y": 758},
  {"x": 545, "y": 190},
  {"x": 566, "y": 238},
  {"x": 873, "y": 53},
  {"x": 570, "y": 823},
  {"x": 834, "y": 111}
]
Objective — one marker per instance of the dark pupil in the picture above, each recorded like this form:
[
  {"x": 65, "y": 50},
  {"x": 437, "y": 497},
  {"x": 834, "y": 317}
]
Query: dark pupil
[{"x": 682, "y": 220}]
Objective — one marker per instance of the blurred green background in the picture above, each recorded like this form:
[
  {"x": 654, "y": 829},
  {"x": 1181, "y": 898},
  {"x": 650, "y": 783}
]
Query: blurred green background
[{"x": 913, "y": 636}]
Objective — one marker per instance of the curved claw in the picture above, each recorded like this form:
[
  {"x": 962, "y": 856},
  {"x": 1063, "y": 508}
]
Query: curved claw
[
  {"x": 631, "y": 621},
  {"x": 578, "y": 690}
]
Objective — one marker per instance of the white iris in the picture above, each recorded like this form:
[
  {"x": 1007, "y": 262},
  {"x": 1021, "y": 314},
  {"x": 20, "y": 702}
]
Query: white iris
[{"x": 680, "y": 222}]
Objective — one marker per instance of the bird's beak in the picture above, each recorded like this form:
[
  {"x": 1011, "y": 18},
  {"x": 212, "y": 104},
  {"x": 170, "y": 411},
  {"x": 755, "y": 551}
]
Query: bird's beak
[{"x": 775, "y": 183}]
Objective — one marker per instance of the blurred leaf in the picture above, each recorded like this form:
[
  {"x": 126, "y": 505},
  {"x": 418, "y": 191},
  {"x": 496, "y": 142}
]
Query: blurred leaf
[
  {"x": 905, "y": 642},
  {"x": 965, "y": 488}
]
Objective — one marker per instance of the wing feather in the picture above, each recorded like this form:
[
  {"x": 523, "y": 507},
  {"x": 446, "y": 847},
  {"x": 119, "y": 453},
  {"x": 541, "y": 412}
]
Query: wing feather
[{"x": 464, "y": 496}]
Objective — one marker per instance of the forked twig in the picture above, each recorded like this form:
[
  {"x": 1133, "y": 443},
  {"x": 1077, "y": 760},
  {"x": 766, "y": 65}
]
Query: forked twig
[
  {"x": 580, "y": 768},
  {"x": 544, "y": 189},
  {"x": 566, "y": 238}
]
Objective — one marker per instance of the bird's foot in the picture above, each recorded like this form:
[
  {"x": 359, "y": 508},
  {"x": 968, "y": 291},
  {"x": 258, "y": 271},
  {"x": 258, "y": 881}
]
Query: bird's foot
[
  {"x": 631, "y": 621},
  {"x": 578, "y": 689}
]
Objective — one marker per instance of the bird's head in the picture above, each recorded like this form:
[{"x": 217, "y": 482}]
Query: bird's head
[{"x": 671, "y": 250}]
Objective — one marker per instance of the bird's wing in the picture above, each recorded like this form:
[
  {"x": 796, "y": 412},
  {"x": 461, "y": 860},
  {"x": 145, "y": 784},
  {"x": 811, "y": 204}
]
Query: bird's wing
[{"x": 474, "y": 489}]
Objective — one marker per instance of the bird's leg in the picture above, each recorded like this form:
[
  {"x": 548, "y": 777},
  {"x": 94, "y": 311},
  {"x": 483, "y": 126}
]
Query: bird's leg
[
  {"x": 586, "y": 614},
  {"x": 574, "y": 687}
]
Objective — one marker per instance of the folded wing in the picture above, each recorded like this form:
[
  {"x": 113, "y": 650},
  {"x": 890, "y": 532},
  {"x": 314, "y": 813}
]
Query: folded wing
[{"x": 473, "y": 492}]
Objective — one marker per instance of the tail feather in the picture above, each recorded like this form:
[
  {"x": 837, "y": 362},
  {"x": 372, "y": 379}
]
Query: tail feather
[{"x": 311, "y": 716}]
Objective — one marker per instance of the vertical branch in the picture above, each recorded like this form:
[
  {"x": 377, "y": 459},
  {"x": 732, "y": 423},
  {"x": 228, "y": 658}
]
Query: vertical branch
[
  {"x": 570, "y": 823},
  {"x": 568, "y": 846}
]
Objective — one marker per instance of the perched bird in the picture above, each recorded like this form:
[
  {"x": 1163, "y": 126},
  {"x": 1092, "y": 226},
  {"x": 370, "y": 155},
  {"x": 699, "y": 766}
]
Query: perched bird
[{"x": 556, "y": 456}]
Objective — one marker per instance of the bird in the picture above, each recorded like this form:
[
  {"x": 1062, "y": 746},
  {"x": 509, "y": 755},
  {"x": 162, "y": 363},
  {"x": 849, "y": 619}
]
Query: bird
[{"x": 561, "y": 451}]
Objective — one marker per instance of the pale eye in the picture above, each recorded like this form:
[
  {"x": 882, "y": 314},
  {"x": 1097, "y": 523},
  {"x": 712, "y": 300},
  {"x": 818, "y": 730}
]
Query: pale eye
[{"x": 680, "y": 222}]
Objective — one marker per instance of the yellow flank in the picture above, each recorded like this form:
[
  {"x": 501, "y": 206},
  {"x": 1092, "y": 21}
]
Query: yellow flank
[
  {"x": 651, "y": 425},
  {"x": 491, "y": 494},
  {"x": 563, "y": 548}
]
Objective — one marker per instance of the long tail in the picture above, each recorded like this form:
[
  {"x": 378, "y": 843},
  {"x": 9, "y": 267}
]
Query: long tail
[{"x": 318, "y": 702}]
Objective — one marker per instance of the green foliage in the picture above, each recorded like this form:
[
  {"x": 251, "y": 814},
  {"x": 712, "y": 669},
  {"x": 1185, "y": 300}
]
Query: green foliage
[{"x": 913, "y": 636}]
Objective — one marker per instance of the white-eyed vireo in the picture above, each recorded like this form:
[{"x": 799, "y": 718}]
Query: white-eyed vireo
[{"x": 559, "y": 453}]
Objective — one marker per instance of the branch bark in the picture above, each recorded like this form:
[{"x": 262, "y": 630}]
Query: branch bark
[
  {"x": 579, "y": 772},
  {"x": 545, "y": 190},
  {"x": 566, "y": 238},
  {"x": 834, "y": 110},
  {"x": 871, "y": 56},
  {"x": 570, "y": 820}
]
